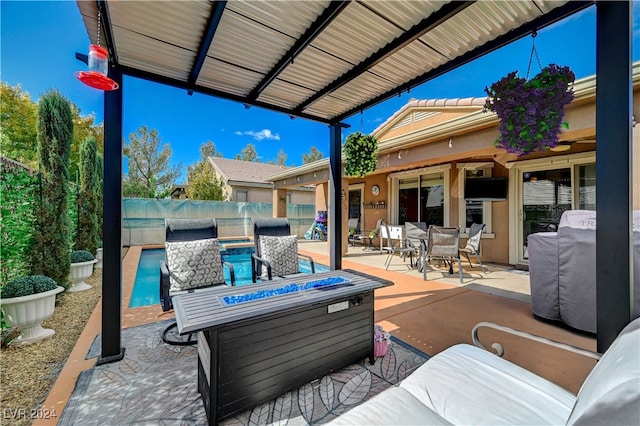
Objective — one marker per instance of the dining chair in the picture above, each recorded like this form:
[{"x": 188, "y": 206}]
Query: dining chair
[
  {"x": 416, "y": 236},
  {"x": 472, "y": 247},
  {"x": 397, "y": 244},
  {"x": 443, "y": 244}
]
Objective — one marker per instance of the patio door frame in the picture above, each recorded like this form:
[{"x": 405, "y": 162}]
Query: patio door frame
[
  {"x": 358, "y": 187},
  {"x": 516, "y": 209}
]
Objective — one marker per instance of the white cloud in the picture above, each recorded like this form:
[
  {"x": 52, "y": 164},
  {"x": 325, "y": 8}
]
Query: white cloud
[{"x": 262, "y": 134}]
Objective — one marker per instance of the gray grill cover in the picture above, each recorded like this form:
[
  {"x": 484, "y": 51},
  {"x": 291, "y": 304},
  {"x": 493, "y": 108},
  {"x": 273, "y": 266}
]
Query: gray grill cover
[
  {"x": 574, "y": 247},
  {"x": 543, "y": 274}
]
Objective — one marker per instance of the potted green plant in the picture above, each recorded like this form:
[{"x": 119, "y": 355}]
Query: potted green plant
[
  {"x": 361, "y": 152},
  {"x": 26, "y": 302},
  {"x": 82, "y": 263},
  {"x": 531, "y": 111}
]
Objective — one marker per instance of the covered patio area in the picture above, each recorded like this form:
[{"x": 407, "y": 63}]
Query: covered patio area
[
  {"x": 428, "y": 315},
  {"x": 326, "y": 61},
  {"x": 312, "y": 67}
]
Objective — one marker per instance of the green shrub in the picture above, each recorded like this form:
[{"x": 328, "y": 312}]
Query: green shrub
[
  {"x": 87, "y": 202},
  {"x": 25, "y": 286},
  {"x": 81, "y": 256},
  {"x": 55, "y": 133}
]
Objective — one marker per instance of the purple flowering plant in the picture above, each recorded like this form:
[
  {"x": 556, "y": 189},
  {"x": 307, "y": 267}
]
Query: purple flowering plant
[
  {"x": 379, "y": 335},
  {"x": 531, "y": 111}
]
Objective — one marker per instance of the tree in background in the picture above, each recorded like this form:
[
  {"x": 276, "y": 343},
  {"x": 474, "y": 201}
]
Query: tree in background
[
  {"x": 203, "y": 184},
  {"x": 83, "y": 128},
  {"x": 55, "y": 133},
  {"x": 18, "y": 117},
  {"x": 313, "y": 155},
  {"x": 282, "y": 158},
  {"x": 19, "y": 139},
  {"x": 149, "y": 174},
  {"x": 248, "y": 153},
  {"x": 87, "y": 233}
]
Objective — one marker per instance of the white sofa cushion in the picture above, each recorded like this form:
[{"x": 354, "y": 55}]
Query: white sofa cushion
[
  {"x": 281, "y": 253},
  {"x": 194, "y": 264},
  {"x": 611, "y": 393},
  {"x": 467, "y": 385},
  {"x": 394, "y": 406}
]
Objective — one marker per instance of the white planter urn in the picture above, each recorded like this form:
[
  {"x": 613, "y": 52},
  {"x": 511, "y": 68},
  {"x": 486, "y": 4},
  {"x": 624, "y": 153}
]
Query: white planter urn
[
  {"x": 99, "y": 258},
  {"x": 80, "y": 271},
  {"x": 28, "y": 312}
]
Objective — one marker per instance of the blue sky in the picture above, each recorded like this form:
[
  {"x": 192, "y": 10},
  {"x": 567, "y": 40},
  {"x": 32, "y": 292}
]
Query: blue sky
[{"x": 39, "y": 41}]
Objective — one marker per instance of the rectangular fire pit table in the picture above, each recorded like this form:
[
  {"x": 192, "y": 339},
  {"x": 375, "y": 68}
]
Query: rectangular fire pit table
[{"x": 255, "y": 342}]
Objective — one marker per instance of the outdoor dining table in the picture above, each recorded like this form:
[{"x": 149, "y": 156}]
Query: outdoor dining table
[{"x": 255, "y": 342}]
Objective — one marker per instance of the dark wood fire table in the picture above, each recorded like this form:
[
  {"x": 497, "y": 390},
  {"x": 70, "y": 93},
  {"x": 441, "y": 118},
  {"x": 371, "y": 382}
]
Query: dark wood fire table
[{"x": 256, "y": 342}]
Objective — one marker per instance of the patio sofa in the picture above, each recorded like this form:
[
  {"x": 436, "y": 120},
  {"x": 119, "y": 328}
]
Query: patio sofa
[
  {"x": 562, "y": 270},
  {"x": 466, "y": 385}
]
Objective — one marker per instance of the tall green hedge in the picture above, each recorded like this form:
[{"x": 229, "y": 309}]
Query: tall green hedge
[
  {"x": 87, "y": 235},
  {"x": 18, "y": 200},
  {"x": 55, "y": 133}
]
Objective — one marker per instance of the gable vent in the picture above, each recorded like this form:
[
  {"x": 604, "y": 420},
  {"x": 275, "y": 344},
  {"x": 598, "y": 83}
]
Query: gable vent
[
  {"x": 421, "y": 115},
  {"x": 405, "y": 121}
]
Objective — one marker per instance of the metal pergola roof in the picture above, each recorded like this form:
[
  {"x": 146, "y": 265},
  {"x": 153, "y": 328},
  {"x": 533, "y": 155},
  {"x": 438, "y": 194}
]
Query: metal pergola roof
[
  {"x": 327, "y": 60},
  {"x": 322, "y": 60}
]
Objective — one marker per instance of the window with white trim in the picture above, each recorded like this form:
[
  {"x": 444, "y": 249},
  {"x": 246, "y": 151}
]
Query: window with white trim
[{"x": 473, "y": 211}]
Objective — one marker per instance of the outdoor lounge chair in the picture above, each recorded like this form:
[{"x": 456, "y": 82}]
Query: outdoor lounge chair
[
  {"x": 467, "y": 385},
  {"x": 354, "y": 229},
  {"x": 472, "y": 247},
  {"x": 367, "y": 237},
  {"x": 276, "y": 250},
  {"x": 189, "y": 240},
  {"x": 443, "y": 244}
]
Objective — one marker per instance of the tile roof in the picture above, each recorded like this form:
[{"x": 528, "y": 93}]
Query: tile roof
[
  {"x": 245, "y": 171},
  {"x": 473, "y": 102}
]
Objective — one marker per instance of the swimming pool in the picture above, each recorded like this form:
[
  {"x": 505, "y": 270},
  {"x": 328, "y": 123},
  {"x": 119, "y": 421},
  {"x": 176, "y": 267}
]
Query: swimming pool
[{"x": 146, "y": 288}]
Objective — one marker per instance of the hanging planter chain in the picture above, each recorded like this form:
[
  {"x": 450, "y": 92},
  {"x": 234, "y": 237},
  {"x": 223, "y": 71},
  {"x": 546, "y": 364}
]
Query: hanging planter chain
[{"x": 533, "y": 51}]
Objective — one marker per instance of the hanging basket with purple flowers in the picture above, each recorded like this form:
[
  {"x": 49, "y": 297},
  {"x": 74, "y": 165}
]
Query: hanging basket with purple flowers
[{"x": 531, "y": 111}]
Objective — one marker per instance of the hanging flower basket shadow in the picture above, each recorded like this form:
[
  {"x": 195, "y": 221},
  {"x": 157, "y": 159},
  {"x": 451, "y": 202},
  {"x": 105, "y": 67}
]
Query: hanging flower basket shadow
[
  {"x": 531, "y": 112},
  {"x": 361, "y": 152}
]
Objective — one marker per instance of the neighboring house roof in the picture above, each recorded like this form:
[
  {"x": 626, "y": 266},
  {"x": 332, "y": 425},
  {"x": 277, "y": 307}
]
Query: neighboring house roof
[{"x": 248, "y": 173}]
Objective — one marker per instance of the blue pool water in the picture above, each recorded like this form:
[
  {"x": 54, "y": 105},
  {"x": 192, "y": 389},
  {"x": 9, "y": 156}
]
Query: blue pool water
[{"x": 146, "y": 288}]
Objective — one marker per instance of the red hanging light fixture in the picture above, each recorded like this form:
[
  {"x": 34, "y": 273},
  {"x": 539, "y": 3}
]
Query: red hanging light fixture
[{"x": 98, "y": 61}]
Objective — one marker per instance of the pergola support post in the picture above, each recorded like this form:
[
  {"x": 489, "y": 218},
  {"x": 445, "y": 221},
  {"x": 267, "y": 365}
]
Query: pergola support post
[
  {"x": 335, "y": 197},
  {"x": 614, "y": 98},
  {"x": 111, "y": 344}
]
